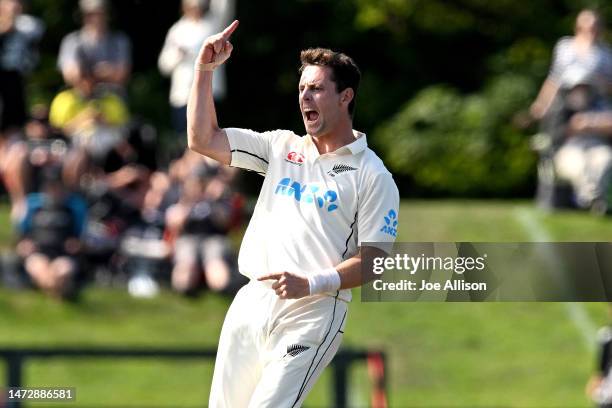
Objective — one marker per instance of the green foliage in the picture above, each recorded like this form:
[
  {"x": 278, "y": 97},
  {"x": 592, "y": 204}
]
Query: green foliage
[
  {"x": 528, "y": 56},
  {"x": 462, "y": 145},
  {"x": 501, "y": 20},
  {"x": 147, "y": 98}
]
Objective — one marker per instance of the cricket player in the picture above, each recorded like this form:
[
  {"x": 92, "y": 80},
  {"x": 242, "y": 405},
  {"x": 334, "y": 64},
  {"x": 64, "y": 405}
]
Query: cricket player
[{"x": 327, "y": 201}]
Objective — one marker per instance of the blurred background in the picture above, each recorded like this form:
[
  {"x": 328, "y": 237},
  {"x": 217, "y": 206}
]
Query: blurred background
[{"x": 113, "y": 235}]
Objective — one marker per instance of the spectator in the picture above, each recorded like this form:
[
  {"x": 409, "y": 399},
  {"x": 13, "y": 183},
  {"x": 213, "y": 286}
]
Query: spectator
[
  {"x": 584, "y": 55},
  {"x": 181, "y": 47},
  {"x": 109, "y": 162},
  {"x": 574, "y": 145},
  {"x": 584, "y": 158},
  {"x": 27, "y": 159},
  {"x": 44, "y": 148},
  {"x": 93, "y": 118},
  {"x": 19, "y": 35},
  {"x": 145, "y": 256},
  {"x": 106, "y": 53},
  {"x": 599, "y": 386},
  {"x": 199, "y": 222},
  {"x": 51, "y": 228}
]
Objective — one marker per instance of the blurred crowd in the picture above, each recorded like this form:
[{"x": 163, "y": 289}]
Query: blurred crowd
[{"x": 89, "y": 200}]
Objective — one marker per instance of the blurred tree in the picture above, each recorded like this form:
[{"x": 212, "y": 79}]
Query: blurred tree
[{"x": 462, "y": 145}]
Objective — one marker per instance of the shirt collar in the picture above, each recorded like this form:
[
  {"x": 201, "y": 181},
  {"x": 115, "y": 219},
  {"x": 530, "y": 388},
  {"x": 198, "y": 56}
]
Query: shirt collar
[
  {"x": 355, "y": 147},
  {"x": 358, "y": 145}
]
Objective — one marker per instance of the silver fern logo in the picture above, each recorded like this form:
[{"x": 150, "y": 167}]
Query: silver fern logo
[
  {"x": 295, "y": 349},
  {"x": 339, "y": 169}
]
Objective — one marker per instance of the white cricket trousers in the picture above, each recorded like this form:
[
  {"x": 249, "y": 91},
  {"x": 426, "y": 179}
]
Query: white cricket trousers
[{"x": 271, "y": 351}]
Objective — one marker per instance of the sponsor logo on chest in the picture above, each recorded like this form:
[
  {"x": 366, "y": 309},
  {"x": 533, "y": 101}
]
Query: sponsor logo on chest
[
  {"x": 295, "y": 158},
  {"x": 309, "y": 193}
]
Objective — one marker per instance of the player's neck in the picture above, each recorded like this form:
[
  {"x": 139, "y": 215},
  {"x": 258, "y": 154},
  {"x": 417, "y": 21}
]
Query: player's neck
[{"x": 331, "y": 141}]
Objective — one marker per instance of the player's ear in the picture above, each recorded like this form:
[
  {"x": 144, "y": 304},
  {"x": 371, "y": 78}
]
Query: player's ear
[{"x": 347, "y": 96}]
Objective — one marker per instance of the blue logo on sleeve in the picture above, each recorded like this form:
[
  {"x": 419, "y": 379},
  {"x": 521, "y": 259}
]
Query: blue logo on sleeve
[
  {"x": 309, "y": 193},
  {"x": 390, "y": 226}
]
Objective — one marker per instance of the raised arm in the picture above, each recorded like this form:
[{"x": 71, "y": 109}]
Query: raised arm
[{"x": 203, "y": 132}]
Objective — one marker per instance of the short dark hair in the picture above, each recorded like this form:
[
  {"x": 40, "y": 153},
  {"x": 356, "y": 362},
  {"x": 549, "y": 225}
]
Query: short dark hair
[{"x": 345, "y": 72}]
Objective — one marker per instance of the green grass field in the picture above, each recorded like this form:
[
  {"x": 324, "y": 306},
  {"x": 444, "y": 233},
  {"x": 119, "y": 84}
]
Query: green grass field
[{"x": 439, "y": 354}]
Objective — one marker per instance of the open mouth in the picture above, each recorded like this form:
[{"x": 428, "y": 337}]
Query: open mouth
[{"x": 311, "y": 115}]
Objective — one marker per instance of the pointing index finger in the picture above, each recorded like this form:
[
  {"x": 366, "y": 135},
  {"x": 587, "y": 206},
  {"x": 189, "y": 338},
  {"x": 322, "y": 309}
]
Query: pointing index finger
[
  {"x": 275, "y": 276},
  {"x": 230, "y": 30}
]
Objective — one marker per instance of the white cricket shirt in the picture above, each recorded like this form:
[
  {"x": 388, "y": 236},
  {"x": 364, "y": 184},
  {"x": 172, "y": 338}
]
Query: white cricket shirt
[{"x": 313, "y": 211}]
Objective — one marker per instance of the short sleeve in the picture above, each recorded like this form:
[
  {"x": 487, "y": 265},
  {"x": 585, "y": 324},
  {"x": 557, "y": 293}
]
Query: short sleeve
[
  {"x": 250, "y": 150},
  {"x": 170, "y": 55},
  {"x": 557, "y": 66},
  {"x": 378, "y": 213},
  {"x": 68, "y": 51}
]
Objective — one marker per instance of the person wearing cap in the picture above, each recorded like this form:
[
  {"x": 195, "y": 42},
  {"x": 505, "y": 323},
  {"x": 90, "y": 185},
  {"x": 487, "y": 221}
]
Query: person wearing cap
[
  {"x": 107, "y": 52},
  {"x": 200, "y": 19}
]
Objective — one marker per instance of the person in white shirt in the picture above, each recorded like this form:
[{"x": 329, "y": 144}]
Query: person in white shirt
[
  {"x": 585, "y": 55},
  {"x": 574, "y": 107},
  {"x": 327, "y": 203},
  {"x": 183, "y": 41}
]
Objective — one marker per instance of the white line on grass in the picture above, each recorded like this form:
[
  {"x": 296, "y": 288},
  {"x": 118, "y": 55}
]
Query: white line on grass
[{"x": 576, "y": 311}]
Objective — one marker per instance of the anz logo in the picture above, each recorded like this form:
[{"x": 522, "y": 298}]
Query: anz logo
[
  {"x": 390, "y": 226},
  {"x": 308, "y": 193}
]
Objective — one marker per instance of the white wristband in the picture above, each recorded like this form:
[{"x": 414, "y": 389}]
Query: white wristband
[{"x": 326, "y": 280}]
